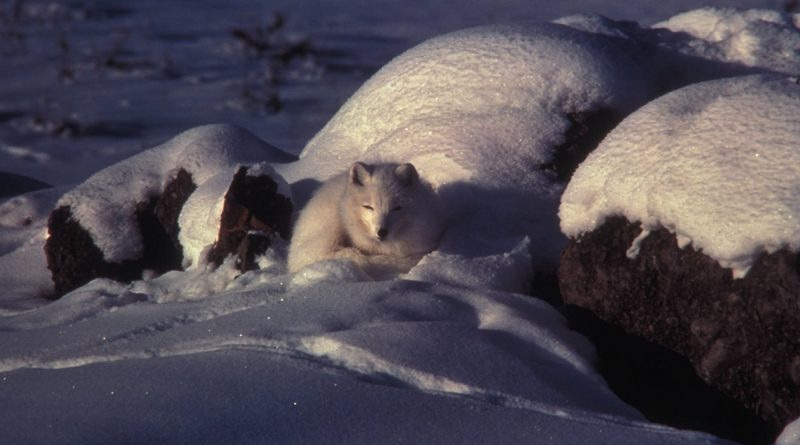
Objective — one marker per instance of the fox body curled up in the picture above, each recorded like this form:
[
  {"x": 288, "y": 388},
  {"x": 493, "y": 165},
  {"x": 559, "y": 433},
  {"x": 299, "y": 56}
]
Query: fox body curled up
[{"x": 383, "y": 217}]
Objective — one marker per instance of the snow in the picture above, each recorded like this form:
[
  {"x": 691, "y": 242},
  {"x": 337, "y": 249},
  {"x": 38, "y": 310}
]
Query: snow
[
  {"x": 754, "y": 38},
  {"x": 790, "y": 434},
  {"x": 726, "y": 182},
  {"x": 23, "y": 268},
  {"x": 455, "y": 351},
  {"x": 486, "y": 104},
  {"x": 390, "y": 345}
]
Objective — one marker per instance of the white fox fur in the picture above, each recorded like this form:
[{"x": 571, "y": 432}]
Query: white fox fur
[{"x": 384, "y": 217}]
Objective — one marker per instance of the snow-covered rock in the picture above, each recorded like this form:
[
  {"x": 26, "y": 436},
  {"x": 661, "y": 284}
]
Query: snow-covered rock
[
  {"x": 685, "y": 231},
  {"x": 105, "y": 203},
  {"x": 739, "y": 335},
  {"x": 131, "y": 217},
  {"x": 255, "y": 215},
  {"x": 716, "y": 163}
]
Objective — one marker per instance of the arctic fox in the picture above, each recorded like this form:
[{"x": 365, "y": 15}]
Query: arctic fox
[{"x": 384, "y": 217}]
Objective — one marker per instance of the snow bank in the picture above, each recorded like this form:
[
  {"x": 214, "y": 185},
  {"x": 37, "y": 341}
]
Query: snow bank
[
  {"x": 757, "y": 38},
  {"x": 23, "y": 267},
  {"x": 716, "y": 163},
  {"x": 480, "y": 113},
  {"x": 487, "y": 104},
  {"x": 495, "y": 349},
  {"x": 105, "y": 203}
]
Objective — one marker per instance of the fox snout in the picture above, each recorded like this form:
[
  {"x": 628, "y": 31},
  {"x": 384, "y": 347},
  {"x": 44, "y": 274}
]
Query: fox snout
[
  {"x": 383, "y": 232},
  {"x": 378, "y": 224}
]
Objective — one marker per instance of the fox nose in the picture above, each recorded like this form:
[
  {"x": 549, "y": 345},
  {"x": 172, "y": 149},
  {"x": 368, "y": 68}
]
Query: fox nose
[{"x": 382, "y": 232}]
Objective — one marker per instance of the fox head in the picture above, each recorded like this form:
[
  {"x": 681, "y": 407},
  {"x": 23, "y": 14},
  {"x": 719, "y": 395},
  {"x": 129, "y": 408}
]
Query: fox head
[{"x": 380, "y": 198}]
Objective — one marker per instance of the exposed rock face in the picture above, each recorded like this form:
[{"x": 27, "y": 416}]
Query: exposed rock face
[
  {"x": 74, "y": 259},
  {"x": 663, "y": 385},
  {"x": 741, "y": 336},
  {"x": 254, "y": 213}
]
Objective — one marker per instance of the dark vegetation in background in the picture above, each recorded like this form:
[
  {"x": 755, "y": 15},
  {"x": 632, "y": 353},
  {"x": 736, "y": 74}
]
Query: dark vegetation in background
[
  {"x": 270, "y": 52},
  {"x": 270, "y": 44}
]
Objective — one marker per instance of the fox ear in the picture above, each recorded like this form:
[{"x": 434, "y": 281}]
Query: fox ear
[
  {"x": 406, "y": 174},
  {"x": 359, "y": 174}
]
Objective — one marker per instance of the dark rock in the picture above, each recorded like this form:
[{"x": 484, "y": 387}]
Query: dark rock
[
  {"x": 12, "y": 184},
  {"x": 159, "y": 224},
  {"x": 587, "y": 129},
  {"x": 663, "y": 385},
  {"x": 74, "y": 259},
  {"x": 253, "y": 214},
  {"x": 72, "y": 256},
  {"x": 741, "y": 336}
]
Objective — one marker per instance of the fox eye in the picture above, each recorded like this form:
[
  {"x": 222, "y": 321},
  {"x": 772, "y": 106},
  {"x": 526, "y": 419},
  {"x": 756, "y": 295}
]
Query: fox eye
[
  {"x": 368, "y": 207},
  {"x": 397, "y": 209}
]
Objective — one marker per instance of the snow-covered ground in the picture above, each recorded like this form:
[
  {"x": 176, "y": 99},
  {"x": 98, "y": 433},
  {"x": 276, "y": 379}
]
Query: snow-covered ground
[{"x": 454, "y": 351}]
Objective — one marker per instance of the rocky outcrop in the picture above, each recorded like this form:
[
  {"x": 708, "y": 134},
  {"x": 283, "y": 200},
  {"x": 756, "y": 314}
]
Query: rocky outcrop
[
  {"x": 741, "y": 336},
  {"x": 74, "y": 259},
  {"x": 253, "y": 214}
]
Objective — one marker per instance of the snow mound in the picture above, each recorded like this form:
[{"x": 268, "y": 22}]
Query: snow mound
[
  {"x": 480, "y": 114},
  {"x": 23, "y": 266},
  {"x": 521, "y": 354},
  {"x": 716, "y": 163},
  {"x": 105, "y": 203},
  {"x": 487, "y": 104},
  {"x": 395, "y": 347},
  {"x": 754, "y": 38}
]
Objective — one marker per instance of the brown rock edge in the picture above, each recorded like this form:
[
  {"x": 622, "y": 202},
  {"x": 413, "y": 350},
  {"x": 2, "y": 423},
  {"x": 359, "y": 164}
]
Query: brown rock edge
[
  {"x": 253, "y": 214},
  {"x": 74, "y": 259},
  {"x": 741, "y": 336}
]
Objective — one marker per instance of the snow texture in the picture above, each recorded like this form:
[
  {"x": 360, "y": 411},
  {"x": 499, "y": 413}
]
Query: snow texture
[
  {"x": 758, "y": 38},
  {"x": 487, "y": 104},
  {"x": 716, "y": 163},
  {"x": 105, "y": 203},
  {"x": 790, "y": 434},
  {"x": 391, "y": 346},
  {"x": 23, "y": 266}
]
